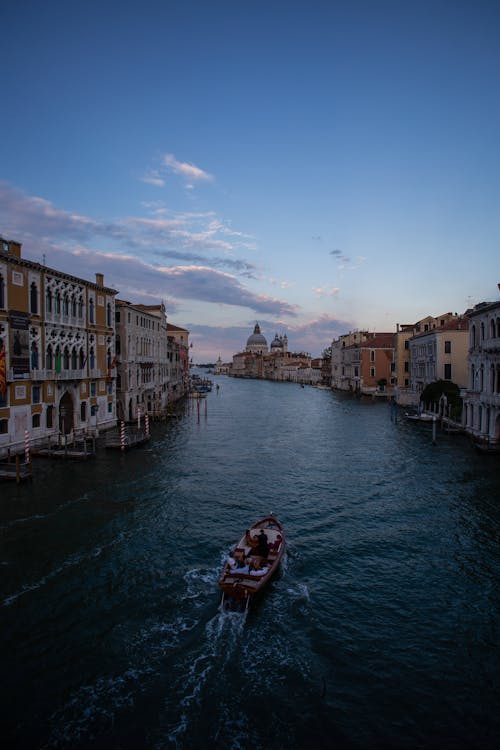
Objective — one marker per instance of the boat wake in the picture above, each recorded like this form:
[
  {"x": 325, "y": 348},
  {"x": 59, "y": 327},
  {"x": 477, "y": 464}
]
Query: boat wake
[{"x": 221, "y": 639}]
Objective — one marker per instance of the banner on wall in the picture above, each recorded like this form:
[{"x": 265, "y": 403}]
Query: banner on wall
[{"x": 19, "y": 343}]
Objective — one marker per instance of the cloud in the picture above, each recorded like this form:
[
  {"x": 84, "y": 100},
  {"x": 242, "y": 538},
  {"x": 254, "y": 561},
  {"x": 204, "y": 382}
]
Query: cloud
[
  {"x": 132, "y": 249},
  {"x": 325, "y": 291},
  {"x": 358, "y": 261},
  {"x": 30, "y": 218},
  {"x": 153, "y": 178},
  {"x": 338, "y": 254},
  {"x": 189, "y": 172}
]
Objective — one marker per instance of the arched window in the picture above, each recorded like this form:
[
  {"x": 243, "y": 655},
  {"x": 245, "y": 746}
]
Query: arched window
[
  {"x": 48, "y": 301},
  {"x": 482, "y": 331},
  {"x": 2, "y": 291},
  {"x": 66, "y": 358},
  {"x": 92, "y": 358},
  {"x": 82, "y": 359},
  {"x": 58, "y": 303},
  {"x": 73, "y": 307},
  {"x": 492, "y": 378},
  {"x": 49, "y": 417},
  {"x": 33, "y": 298},
  {"x": 108, "y": 315},
  {"x": 65, "y": 305},
  {"x": 74, "y": 360},
  {"x": 91, "y": 310},
  {"x": 492, "y": 328},
  {"x": 35, "y": 420},
  {"x": 498, "y": 328},
  {"x": 472, "y": 384},
  {"x": 108, "y": 357},
  {"x": 473, "y": 336},
  {"x": 80, "y": 307},
  {"x": 49, "y": 358},
  {"x": 34, "y": 356},
  {"x": 83, "y": 411}
]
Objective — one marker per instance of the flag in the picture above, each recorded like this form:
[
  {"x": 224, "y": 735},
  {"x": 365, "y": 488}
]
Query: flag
[
  {"x": 3, "y": 374},
  {"x": 111, "y": 366}
]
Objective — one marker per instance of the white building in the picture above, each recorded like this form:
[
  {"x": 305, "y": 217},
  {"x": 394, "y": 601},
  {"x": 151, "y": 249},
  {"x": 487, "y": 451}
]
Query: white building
[
  {"x": 152, "y": 368},
  {"x": 481, "y": 414}
]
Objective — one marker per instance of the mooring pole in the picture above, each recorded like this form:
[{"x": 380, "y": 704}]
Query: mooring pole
[{"x": 434, "y": 430}]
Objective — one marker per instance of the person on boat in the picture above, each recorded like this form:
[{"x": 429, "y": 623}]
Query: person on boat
[
  {"x": 274, "y": 546},
  {"x": 259, "y": 569},
  {"x": 242, "y": 566},
  {"x": 250, "y": 540},
  {"x": 263, "y": 544}
]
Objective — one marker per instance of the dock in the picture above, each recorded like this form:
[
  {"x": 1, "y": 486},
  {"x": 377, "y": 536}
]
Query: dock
[
  {"x": 80, "y": 449},
  {"x": 16, "y": 470},
  {"x": 129, "y": 438}
]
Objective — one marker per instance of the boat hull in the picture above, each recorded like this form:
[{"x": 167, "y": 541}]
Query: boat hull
[{"x": 245, "y": 585}]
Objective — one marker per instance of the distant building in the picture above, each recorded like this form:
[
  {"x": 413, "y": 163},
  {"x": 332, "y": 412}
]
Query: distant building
[
  {"x": 362, "y": 362},
  {"x": 481, "y": 413},
  {"x": 274, "y": 364},
  {"x": 256, "y": 342}
]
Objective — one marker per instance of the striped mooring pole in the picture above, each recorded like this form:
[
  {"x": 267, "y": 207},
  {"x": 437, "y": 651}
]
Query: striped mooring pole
[
  {"x": 122, "y": 435},
  {"x": 26, "y": 446},
  {"x": 147, "y": 424},
  {"x": 139, "y": 418}
]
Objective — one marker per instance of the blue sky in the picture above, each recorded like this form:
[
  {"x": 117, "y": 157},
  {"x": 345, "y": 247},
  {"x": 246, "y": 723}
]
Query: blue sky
[{"x": 313, "y": 166}]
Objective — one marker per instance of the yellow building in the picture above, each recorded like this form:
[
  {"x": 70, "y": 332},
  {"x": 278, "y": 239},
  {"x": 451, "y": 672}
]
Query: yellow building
[{"x": 57, "y": 342}]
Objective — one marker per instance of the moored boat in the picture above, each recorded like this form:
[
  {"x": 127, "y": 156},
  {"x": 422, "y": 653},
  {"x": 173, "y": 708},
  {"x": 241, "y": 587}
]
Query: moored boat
[
  {"x": 420, "y": 417},
  {"x": 253, "y": 561}
]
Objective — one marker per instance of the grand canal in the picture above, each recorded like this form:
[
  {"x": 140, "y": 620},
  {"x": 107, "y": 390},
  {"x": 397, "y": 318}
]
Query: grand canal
[{"x": 382, "y": 630}]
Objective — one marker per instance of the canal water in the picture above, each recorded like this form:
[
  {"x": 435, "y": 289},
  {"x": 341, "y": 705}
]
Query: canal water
[{"x": 381, "y": 630}]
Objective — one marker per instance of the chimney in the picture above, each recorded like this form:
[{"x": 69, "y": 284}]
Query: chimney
[
  {"x": 9, "y": 246},
  {"x": 99, "y": 279}
]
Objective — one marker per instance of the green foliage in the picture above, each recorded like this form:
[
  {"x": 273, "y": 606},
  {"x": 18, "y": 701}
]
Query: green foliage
[{"x": 433, "y": 392}]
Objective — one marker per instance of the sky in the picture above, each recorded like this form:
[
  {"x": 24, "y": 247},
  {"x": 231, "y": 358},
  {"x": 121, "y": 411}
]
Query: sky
[{"x": 316, "y": 167}]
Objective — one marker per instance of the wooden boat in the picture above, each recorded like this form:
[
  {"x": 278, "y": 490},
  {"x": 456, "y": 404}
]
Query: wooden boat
[
  {"x": 254, "y": 571},
  {"x": 422, "y": 417}
]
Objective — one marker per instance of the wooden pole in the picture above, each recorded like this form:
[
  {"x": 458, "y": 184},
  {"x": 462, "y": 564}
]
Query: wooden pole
[{"x": 434, "y": 430}]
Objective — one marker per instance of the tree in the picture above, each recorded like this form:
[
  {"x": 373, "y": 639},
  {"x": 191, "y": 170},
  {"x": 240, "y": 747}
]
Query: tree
[{"x": 433, "y": 392}]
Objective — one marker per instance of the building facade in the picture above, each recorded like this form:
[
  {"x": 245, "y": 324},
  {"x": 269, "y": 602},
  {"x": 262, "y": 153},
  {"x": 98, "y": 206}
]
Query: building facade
[
  {"x": 151, "y": 359},
  {"x": 57, "y": 352},
  {"x": 362, "y": 362},
  {"x": 481, "y": 412},
  {"x": 404, "y": 393},
  {"x": 440, "y": 353}
]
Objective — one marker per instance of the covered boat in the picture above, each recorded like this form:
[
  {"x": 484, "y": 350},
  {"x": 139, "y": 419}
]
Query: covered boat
[{"x": 253, "y": 561}]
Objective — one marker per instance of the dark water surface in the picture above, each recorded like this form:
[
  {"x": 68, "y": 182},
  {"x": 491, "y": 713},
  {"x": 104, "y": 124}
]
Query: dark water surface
[{"x": 382, "y": 630}]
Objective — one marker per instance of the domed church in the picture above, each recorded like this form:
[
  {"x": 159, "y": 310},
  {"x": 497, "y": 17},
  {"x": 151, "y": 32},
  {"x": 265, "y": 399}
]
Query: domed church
[
  {"x": 279, "y": 345},
  {"x": 257, "y": 343}
]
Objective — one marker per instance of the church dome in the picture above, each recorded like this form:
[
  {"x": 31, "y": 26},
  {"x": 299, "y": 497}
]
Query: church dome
[
  {"x": 256, "y": 339},
  {"x": 276, "y": 343}
]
